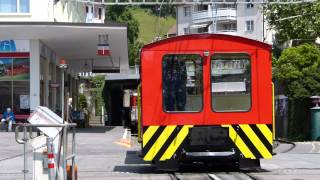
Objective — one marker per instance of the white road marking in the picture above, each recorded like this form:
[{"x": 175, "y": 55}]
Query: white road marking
[
  {"x": 319, "y": 146},
  {"x": 313, "y": 147},
  {"x": 215, "y": 177}
]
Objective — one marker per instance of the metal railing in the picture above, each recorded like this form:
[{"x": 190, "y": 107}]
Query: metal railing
[
  {"x": 188, "y": 2},
  {"x": 217, "y": 14},
  {"x": 27, "y": 130}
]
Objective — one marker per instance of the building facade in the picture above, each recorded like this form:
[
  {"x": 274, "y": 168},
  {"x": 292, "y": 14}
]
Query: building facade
[
  {"x": 36, "y": 34},
  {"x": 50, "y": 11},
  {"x": 241, "y": 19}
]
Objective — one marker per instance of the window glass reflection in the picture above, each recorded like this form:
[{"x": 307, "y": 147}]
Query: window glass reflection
[{"x": 182, "y": 82}]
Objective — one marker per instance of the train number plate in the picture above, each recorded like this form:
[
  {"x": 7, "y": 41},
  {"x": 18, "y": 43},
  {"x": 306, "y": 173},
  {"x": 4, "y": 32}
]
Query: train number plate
[{"x": 208, "y": 135}]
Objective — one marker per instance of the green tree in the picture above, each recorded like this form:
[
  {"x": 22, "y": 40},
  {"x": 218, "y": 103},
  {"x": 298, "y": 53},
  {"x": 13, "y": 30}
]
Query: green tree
[
  {"x": 97, "y": 85},
  {"x": 294, "y": 21},
  {"x": 123, "y": 14},
  {"x": 134, "y": 53},
  {"x": 298, "y": 70},
  {"x": 82, "y": 101}
]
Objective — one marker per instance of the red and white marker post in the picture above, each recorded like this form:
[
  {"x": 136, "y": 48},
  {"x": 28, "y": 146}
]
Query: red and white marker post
[{"x": 50, "y": 155}]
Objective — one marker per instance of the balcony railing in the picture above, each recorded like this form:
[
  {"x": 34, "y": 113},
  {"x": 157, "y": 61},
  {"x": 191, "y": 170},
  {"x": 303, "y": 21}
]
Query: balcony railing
[
  {"x": 91, "y": 19},
  {"x": 229, "y": 31},
  {"x": 219, "y": 14}
]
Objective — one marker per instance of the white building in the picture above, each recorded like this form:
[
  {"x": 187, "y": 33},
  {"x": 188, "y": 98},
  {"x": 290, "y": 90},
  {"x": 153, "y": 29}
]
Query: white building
[
  {"x": 241, "y": 19},
  {"x": 36, "y": 34},
  {"x": 50, "y": 11}
]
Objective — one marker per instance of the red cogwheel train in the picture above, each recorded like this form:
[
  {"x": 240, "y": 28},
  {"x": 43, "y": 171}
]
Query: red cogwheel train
[{"x": 206, "y": 97}]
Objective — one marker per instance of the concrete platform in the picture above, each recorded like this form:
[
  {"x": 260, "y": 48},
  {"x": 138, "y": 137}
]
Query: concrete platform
[{"x": 100, "y": 157}]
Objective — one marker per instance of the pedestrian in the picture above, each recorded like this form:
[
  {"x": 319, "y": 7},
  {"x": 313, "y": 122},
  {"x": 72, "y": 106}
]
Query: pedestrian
[{"x": 8, "y": 117}]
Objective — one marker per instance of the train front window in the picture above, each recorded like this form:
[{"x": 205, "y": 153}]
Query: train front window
[
  {"x": 182, "y": 84},
  {"x": 231, "y": 82}
]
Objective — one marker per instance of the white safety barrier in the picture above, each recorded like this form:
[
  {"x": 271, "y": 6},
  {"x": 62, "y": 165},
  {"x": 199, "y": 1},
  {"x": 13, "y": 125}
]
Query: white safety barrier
[{"x": 50, "y": 150}]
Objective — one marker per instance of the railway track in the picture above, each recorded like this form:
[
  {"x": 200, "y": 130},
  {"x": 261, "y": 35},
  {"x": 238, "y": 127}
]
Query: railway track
[{"x": 211, "y": 176}]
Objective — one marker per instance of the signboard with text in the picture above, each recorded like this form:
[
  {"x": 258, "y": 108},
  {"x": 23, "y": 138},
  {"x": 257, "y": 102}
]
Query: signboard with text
[{"x": 14, "y": 46}]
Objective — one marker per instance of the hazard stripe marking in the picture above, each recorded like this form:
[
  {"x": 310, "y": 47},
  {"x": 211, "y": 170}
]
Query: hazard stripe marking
[
  {"x": 266, "y": 132},
  {"x": 148, "y": 134},
  {"x": 175, "y": 144},
  {"x": 247, "y": 141},
  {"x": 256, "y": 141},
  {"x": 262, "y": 138},
  {"x": 165, "y": 146},
  {"x": 239, "y": 143},
  {"x": 159, "y": 143},
  {"x": 152, "y": 140}
]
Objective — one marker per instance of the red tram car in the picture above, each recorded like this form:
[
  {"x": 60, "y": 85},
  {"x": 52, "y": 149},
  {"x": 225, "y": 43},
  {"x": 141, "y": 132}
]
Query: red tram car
[{"x": 206, "y": 97}]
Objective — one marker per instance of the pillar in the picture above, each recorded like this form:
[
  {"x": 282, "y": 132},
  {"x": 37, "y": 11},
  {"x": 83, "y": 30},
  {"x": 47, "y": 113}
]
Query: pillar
[{"x": 34, "y": 74}]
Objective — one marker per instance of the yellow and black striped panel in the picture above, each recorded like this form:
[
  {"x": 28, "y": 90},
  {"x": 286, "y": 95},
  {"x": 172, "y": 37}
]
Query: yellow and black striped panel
[
  {"x": 254, "y": 141},
  {"x": 160, "y": 143}
]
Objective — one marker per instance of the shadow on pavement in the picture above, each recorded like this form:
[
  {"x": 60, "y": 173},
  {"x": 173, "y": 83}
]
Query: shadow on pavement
[
  {"x": 135, "y": 164},
  {"x": 95, "y": 129}
]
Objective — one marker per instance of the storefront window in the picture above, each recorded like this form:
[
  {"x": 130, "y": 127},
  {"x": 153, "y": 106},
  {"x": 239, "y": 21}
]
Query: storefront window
[
  {"x": 8, "y": 6},
  {"x": 11, "y": 6},
  {"x": 182, "y": 83},
  {"x": 14, "y": 84},
  {"x": 231, "y": 82},
  {"x": 24, "y": 6}
]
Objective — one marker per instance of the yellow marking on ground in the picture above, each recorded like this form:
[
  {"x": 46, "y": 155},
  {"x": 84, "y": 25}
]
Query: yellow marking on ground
[
  {"x": 148, "y": 134},
  {"x": 175, "y": 144},
  {"x": 239, "y": 143},
  {"x": 159, "y": 143},
  {"x": 256, "y": 141},
  {"x": 124, "y": 143}
]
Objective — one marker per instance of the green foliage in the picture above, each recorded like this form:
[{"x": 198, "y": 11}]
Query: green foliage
[
  {"x": 97, "y": 85},
  {"x": 82, "y": 101},
  {"x": 166, "y": 9},
  {"x": 123, "y": 14},
  {"x": 149, "y": 23},
  {"x": 134, "y": 53},
  {"x": 298, "y": 69},
  {"x": 294, "y": 21}
]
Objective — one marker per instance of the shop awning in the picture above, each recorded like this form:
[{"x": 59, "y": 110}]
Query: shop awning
[{"x": 75, "y": 41}]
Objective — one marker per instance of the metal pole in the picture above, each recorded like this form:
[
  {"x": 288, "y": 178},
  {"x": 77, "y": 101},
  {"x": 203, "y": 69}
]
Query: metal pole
[
  {"x": 25, "y": 171},
  {"x": 62, "y": 94},
  {"x": 73, "y": 152},
  {"x": 65, "y": 144},
  {"x": 159, "y": 18}
]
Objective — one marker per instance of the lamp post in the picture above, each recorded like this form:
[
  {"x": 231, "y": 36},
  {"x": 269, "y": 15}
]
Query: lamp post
[{"x": 62, "y": 65}]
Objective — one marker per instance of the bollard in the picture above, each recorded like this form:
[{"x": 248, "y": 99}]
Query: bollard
[
  {"x": 315, "y": 123},
  {"x": 50, "y": 154},
  {"x": 315, "y": 118}
]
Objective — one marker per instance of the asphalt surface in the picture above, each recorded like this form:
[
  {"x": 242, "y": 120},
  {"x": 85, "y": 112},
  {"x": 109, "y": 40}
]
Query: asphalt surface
[{"x": 99, "y": 156}]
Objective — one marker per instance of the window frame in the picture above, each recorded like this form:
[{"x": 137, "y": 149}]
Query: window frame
[
  {"x": 202, "y": 59},
  {"x": 186, "y": 30},
  {"x": 251, "y": 25},
  {"x": 18, "y": 12},
  {"x": 186, "y": 11},
  {"x": 249, "y": 4},
  {"x": 251, "y": 85}
]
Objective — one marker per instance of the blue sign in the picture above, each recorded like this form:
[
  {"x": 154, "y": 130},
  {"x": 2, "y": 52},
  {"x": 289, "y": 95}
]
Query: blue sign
[{"x": 7, "y": 46}]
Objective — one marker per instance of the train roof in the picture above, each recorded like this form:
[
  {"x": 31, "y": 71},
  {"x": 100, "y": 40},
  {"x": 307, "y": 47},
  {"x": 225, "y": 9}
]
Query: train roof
[{"x": 161, "y": 45}]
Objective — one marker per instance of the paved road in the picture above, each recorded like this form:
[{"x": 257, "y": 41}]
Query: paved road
[{"x": 100, "y": 157}]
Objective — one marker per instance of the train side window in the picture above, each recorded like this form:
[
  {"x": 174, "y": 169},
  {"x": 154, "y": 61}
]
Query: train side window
[
  {"x": 231, "y": 82},
  {"x": 182, "y": 86}
]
